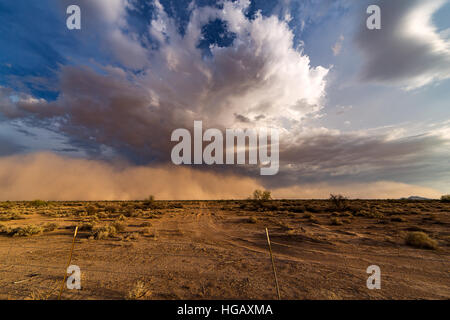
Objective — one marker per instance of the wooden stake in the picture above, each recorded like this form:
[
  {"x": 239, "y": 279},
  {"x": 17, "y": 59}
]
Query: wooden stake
[
  {"x": 273, "y": 265},
  {"x": 68, "y": 263}
]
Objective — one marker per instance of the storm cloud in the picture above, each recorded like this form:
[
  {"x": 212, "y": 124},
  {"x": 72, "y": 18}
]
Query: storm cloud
[{"x": 408, "y": 50}]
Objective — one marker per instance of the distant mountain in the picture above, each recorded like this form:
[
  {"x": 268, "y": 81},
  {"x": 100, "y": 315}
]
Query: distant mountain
[{"x": 415, "y": 198}]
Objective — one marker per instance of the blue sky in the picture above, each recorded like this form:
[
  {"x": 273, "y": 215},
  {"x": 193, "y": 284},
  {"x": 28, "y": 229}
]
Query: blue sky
[{"x": 367, "y": 106}]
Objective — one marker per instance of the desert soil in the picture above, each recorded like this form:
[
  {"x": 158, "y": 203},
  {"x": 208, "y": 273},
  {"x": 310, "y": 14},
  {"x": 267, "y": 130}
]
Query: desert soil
[{"x": 219, "y": 250}]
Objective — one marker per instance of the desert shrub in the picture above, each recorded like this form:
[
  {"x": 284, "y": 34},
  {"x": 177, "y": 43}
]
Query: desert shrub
[
  {"x": 87, "y": 226},
  {"x": 91, "y": 210},
  {"x": 138, "y": 291},
  {"x": 104, "y": 232},
  {"x": 311, "y": 218},
  {"x": 445, "y": 198},
  {"x": 131, "y": 236},
  {"x": 260, "y": 195},
  {"x": 110, "y": 209},
  {"x": 146, "y": 224},
  {"x": 149, "y": 201},
  {"x": 4, "y": 229},
  {"x": 369, "y": 214},
  {"x": 336, "y": 221},
  {"x": 11, "y": 216},
  {"x": 38, "y": 203},
  {"x": 421, "y": 240},
  {"x": 50, "y": 227},
  {"x": 120, "y": 227},
  {"x": 338, "y": 201},
  {"x": 312, "y": 209},
  {"x": 129, "y": 212},
  {"x": 26, "y": 231}
]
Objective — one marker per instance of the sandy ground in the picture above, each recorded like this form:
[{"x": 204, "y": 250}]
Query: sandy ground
[{"x": 218, "y": 250}]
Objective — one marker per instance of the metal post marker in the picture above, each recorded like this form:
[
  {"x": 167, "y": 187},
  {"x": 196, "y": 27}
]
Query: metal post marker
[
  {"x": 68, "y": 263},
  {"x": 273, "y": 265}
]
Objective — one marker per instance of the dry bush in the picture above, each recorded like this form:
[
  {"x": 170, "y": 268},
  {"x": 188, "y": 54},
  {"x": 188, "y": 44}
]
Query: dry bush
[
  {"x": 26, "y": 231},
  {"x": 138, "y": 291},
  {"x": 105, "y": 232},
  {"x": 120, "y": 227},
  {"x": 110, "y": 209},
  {"x": 4, "y": 229},
  {"x": 369, "y": 214},
  {"x": 131, "y": 236},
  {"x": 91, "y": 210},
  {"x": 11, "y": 216},
  {"x": 420, "y": 240},
  {"x": 336, "y": 221},
  {"x": 50, "y": 227},
  {"x": 87, "y": 226},
  {"x": 338, "y": 202},
  {"x": 260, "y": 195},
  {"x": 38, "y": 203},
  {"x": 445, "y": 198}
]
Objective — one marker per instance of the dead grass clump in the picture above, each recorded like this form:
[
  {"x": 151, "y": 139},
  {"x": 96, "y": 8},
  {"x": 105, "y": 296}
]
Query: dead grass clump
[
  {"x": 110, "y": 209},
  {"x": 120, "y": 227},
  {"x": 26, "y": 231},
  {"x": 91, "y": 210},
  {"x": 297, "y": 209},
  {"x": 138, "y": 291},
  {"x": 49, "y": 227},
  {"x": 11, "y": 216},
  {"x": 87, "y": 226},
  {"x": 336, "y": 222},
  {"x": 370, "y": 214},
  {"x": 4, "y": 229},
  {"x": 420, "y": 240},
  {"x": 313, "y": 219},
  {"x": 131, "y": 236},
  {"x": 105, "y": 232},
  {"x": 38, "y": 203}
]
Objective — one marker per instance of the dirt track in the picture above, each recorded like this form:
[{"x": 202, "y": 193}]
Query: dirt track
[{"x": 212, "y": 250}]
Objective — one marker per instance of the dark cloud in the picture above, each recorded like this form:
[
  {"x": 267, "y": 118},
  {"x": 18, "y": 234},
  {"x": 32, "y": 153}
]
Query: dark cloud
[
  {"x": 351, "y": 157},
  {"x": 407, "y": 50}
]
